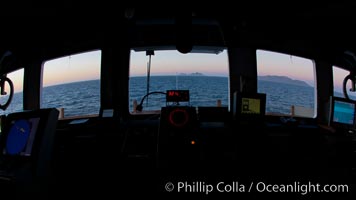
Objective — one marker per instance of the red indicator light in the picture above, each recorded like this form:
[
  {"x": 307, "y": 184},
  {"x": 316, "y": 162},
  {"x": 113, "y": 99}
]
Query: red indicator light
[
  {"x": 177, "y": 96},
  {"x": 171, "y": 93}
]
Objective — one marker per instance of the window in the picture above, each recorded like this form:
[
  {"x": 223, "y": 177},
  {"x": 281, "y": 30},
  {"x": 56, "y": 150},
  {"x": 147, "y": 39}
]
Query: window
[
  {"x": 338, "y": 75},
  {"x": 16, "y": 104},
  {"x": 205, "y": 75},
  {"x": 72, "y": 83},
  {"x": 289, "y": 83}
]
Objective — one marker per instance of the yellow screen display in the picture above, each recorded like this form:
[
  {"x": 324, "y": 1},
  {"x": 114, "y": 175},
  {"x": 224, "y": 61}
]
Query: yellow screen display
[{"x": 250, "y": 106}]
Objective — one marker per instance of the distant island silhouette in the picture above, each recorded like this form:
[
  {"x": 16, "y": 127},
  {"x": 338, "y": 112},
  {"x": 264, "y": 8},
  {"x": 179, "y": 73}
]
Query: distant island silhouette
[
  {"x": 192, "y": 74},
  {"x": 284, "y": 80},
  {"x": 270, "y": 78}
]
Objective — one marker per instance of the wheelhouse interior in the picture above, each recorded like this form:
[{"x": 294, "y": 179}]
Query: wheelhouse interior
[{"x": 145, "y": 128}]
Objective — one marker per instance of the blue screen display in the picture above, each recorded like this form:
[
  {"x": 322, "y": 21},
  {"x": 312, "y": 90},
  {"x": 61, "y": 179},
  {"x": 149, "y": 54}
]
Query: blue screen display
[
  {"x": 344, "y": 112},
  {"x": 21, "y": 136},
  {"x": 18, "y": 135}
]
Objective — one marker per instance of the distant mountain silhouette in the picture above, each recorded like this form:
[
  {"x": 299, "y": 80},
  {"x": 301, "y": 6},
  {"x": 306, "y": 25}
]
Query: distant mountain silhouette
[
  {"x": 191, "y": 74},
  {"x": 283, "y": 79},
  {"x": 196, "y": 74}
]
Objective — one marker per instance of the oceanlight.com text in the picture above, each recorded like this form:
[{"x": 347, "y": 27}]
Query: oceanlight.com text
[{"x": 259, "y": 187}]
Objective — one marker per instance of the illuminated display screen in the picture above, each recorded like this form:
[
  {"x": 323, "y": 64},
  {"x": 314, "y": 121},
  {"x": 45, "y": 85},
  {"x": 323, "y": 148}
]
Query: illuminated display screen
[
  {"x": 177, "y": 95},
  {"x": 250, "y": 106},
  {"x": 344, "y": 112},
  {"x": 21, "y": 136},
  {"x": 24, "y": 133}
]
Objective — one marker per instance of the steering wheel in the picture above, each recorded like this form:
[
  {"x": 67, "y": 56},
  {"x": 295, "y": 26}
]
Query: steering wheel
[{"x": 3, "y": 80}]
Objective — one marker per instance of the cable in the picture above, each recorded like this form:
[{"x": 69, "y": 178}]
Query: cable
[
  {"x": 4, "y": 79},
  {"x": 139, "y": 106},
  {"x": 344, "y": 85}
]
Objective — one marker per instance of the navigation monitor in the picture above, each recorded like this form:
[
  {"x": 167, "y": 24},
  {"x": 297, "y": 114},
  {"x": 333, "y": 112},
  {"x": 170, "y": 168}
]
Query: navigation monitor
[
  {"x": 21, "y": 136},
  {"x": 342, "y": 112},
  {"x": 249, "y": 106},
  {"x": 22, "y": 131}
]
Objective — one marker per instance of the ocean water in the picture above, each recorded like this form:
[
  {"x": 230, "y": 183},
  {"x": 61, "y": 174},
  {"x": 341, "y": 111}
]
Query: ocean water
[
  {"x": 280, "y": 97},
  {"x": 203, "y": 90},
  {"x": 82, "y": 98},
  {"x": 206, "y": 90},
  {"x": 78, "y": 98}
]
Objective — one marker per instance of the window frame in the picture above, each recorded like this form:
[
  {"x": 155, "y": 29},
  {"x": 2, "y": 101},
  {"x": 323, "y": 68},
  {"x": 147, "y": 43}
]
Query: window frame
[
  {"x": 315, "y": 103},
  {"x": 98, "y": 77}
]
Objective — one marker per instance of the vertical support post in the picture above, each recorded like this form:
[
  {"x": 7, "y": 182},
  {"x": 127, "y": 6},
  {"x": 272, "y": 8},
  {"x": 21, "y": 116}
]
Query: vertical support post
[{"x": 148, "y": 53}]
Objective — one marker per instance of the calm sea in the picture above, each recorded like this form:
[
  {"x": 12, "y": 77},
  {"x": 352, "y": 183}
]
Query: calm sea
[{"x": 81, "y": 98}]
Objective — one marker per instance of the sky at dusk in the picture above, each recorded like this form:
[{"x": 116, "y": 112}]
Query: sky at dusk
[
  {"x": 269, "y": 63},
  {"x": 79, "y": 67},
  {"x": 339, "y": 75},
  {"x": 86, "y": 66},
  {"x": 272, "y": 63},
  {"x": 173, "y": 62},
  {"x": 17, "y": 79}
]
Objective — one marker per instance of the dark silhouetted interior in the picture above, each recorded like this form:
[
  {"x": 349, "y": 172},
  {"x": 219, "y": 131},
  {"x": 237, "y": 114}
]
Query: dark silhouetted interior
[{"x": 135, "y": 155}]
